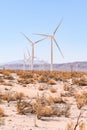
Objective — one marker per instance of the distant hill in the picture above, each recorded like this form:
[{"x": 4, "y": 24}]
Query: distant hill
[{"x": 41, "y": 65}]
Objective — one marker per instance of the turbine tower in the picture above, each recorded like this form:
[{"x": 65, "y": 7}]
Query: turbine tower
[
  {"x": 32, "y": 45},
  {"x": 24, "y": 64},
  {"x": 52, "y": 40}
]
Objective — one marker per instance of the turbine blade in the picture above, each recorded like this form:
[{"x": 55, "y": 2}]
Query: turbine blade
[
  {"x": 40, "y": 40},
  {"x": 57, "y": 27},
  {"x": 24, "y": 57},
  {"x": 45, "y": 35},
  {"x": 27, "y": 38},
  {"x": 28, "y": 52},
  {"x": 58, "y": 47}
]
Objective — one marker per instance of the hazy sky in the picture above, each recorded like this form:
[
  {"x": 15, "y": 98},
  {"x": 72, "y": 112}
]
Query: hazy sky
[{"x": 42, "y": 16}]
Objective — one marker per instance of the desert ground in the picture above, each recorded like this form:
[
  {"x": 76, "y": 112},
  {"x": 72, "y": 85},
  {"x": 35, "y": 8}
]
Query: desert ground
[{"x": 43, "y": 100}]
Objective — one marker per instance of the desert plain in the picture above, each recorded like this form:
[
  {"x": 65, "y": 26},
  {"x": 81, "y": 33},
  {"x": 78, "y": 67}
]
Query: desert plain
[{"x": 43, "y": 100}]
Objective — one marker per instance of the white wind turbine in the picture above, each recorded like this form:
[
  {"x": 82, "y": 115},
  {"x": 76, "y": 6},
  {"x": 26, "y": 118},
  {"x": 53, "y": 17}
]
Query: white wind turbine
[
  {"x": 29, "y": 58},
  {"x": 32, "y": 44},
  {"x": 24, "y": 60},
  {"x": 52, "y": 39}
]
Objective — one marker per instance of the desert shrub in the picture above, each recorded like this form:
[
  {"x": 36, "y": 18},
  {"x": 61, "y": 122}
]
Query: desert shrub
[
  {"x": 46, "y": 108},
  {"x": 12, "y": 96},
  {"x": 2, "y": 121},
  {"x": 57, "y": 99},
  {"x": 26, "y": 76},
  {"x": 70, "y": 126},
  {"x": 67, "y": 87},
  {"x": 43, "y": 79},
  {"x": 78, "y": 124},
  {"x": 44, "y": 111},
  {"x": 24, "y": 81},
  {"x": 32, "y": 80},
  {"x": 61, "y": 109},
  {"x": 18, "y": 96},
  {"x": 24, "y": 107},
  {"x": 53, "y": 90},
  {"x": 82, "y": 81},
  {"x": 5, "y": 96},
  {"x": 82, "y": 125},
  {"x": 81, "y": 99},
  {"x": 51, "y": 82},
  {"x": 1, "y": 80},
  {"x": 1, "y": 112},
  {"x": 9, "y": 77},
  {"x": 41, "y": 88},
  {"x": 7, "y": 83}
]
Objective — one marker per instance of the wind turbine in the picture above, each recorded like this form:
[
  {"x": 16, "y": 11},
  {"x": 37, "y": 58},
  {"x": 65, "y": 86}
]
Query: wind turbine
[
  {"x": 52, "y": 39},
  {"x": 24, "y": 60},
  {"x": 32, "y": 44}
]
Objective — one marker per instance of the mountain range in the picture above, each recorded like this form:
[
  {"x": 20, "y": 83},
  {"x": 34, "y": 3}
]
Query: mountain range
[{"x": 42, "y": 65}]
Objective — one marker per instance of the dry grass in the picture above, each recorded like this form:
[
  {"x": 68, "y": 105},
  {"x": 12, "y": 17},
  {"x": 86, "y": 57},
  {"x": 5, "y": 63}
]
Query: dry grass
[
  {"x": 57, "y": 99},
  {"x": 51, "y": 82},
  {"x": 43, "y": 76},
  {"x": 53, "y": 90},
  {"x": 1, "y": 112},
  {"x": 24, "y": 107},
  {"x": 12, "y": 96},
  {"x": 41, "y": 88},
  {"x": 47, "y": 107},
  {"x": 1, "y": 80},
  {"x": 70, "y": 126},
  {"x": 82, "y": 126},
  {"x": 2, "y": 121},
  {"x": 81, "y": 99}
]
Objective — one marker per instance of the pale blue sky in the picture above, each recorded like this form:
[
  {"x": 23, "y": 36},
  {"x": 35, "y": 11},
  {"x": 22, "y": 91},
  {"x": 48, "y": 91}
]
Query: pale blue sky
[{"x": 42, "y": 16}]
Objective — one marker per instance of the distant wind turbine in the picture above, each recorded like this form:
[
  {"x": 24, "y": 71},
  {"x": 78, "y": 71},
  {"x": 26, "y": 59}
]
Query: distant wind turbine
[
  {"x": 32, "y": 44},
  {"x": 24, "y": 60},
  {"x": 52, "y": 39}
]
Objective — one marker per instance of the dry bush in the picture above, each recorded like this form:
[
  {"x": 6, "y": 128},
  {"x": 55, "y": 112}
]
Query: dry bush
[
  {"x": 66, "y": 87},
  {"x": 57, "y": 99},
  {"x": 9, "y": 77},
  {"x": 1, "y": 80},
  {"x": 61, "y": 109},
  {"x": 70, "y": 126},
  {"x": 51, "y": 82},
  {"x": 46, "y": 108},
  {"x": 18, "y": 96},
  {"x": 43, "y": 79},
  {"x": 53, "y": 90},
  {"x": 23, "y": 81},
  {"x": 44, "y": 111},
  {"x": 5, "y": 96},
  {"x": 80, "y": 82},
  {"x": 82, "y": 125},
  {"x": 31, "y": 80},
  {"x": 2, "y": 121},
  {"x": 24, "y": 107},
  {"x": 7, "y": 74},
  {"x": 12, "y": 96},
  {"x": 7, "y": 84},
  {"x": 41, "y": 88},
  {"x": 55, "y": 109},
  {"x": 26, "y": 75},
  {"x": 81, "y": 99},
  {"x": 42, "y": 107},
  {"x": 79, "y": 124},
  {"x": 1, "y": 112}
]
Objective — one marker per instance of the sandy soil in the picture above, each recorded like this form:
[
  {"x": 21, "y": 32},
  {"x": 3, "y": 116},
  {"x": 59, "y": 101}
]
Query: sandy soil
[{"x": 14, "y": 121}]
